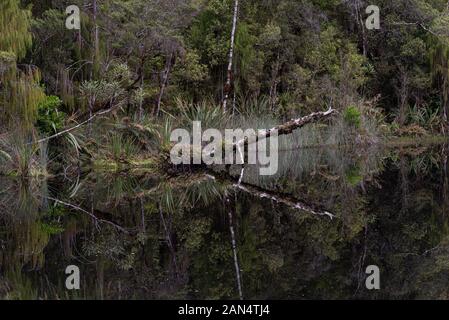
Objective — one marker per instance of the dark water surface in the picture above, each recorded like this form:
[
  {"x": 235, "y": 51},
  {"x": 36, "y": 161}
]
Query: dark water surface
[{"x": 307, "y": 233}]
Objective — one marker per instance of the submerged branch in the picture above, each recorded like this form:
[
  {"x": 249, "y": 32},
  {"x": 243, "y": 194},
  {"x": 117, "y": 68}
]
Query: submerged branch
[{"x": 89, "y": 214}]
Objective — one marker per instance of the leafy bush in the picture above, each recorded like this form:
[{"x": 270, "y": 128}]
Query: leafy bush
[
  {"x": 50, "y": 119},
  {"x": 352, "y": 117}
]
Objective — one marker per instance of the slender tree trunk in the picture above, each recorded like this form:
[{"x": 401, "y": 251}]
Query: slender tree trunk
[
  {"x": 445, "y": 179},
  {"x": 445, "y": 103},
  {"x": 91, "y": 108},
  {"x": 362, "y": 27},
  {"x": 96, "y": 37},
  {"x": 141, "y": 100},
  {"x": 227, "y": 87},
  {"x": 274, "y": 84},
  {"x": 403, "y": 98},
  {"x": 80, "y": 41},
  {"x": 234, "y": 103},
  {"x": 167, "y": 70}
]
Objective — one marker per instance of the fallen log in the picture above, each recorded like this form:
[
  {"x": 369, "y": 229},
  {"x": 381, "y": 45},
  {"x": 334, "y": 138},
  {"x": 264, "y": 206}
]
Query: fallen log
[
  {"x": 292, "y": 125},
  {"x": 286, "y": 128},
  {"x": 282, "y": 129}
]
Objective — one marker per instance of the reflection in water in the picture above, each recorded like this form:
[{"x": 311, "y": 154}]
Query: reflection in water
[
  {"x": 307, "y": 233},
  {"x": 234, "y": 247}
]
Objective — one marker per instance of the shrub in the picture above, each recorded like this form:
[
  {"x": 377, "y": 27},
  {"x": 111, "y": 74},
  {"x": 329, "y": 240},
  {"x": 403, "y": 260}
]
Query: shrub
[
  {"x": 352, "y": 117},
  {"x": 50, "y": 119},
  {"x": 122, "y": 148}
]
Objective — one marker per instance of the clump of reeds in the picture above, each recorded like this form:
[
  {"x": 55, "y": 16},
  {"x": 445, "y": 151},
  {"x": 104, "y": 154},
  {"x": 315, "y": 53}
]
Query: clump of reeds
[{"x": 22, "y": 157}]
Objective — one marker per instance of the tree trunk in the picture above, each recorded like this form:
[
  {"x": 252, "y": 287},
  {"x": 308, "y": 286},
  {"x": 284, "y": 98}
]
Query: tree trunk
[
  {"x": 167, "y": 70},
  {"x": 227, "y": 87},
  {"x": 445, "y": 103},
  {"x": 96, "y": 39},
  {"x": 362, "y": 27},
  {"x": 403, "y": 98},
  {"x": 274, "y": 84},
  {"x": 91, "y": 107},
  {"x": 141, "y": 100}
]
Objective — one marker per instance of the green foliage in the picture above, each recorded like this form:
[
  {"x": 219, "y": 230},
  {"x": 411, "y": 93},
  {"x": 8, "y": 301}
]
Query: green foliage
[
  {"x": 50, "y": 119},
  {"x": 300, "y": 56},
  {"x": 20, "y": 90},
  {"x": 15, "y": 25},
  {"x": 51, "y": 228},
  {"x": 20, "y": 158},
  {"x": 353, "y": 176},
  {"x": 208, "y": 113},
  {"x": 425, "y": 117},
  {"x": 352, "y": 116},
  {"x": 121, "y": 148}
]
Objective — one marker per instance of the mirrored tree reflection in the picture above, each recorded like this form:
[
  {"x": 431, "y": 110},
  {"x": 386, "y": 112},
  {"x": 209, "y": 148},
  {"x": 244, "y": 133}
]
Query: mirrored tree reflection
[{"x": 201, "y": 235}]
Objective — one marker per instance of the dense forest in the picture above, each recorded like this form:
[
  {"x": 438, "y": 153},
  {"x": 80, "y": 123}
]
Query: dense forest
[
  {"x": 86, "y": 113},
  {"x": 153, "y": 62}
]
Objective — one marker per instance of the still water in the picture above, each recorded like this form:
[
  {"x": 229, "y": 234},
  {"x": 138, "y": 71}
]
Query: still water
[{"x": 307, "y": 233}]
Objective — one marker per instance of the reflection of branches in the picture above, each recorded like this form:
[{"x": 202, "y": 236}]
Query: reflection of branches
[
  {"x": 278, "y": 198},
  {"x": 230, "y": 182},
  {"x": 285, "y": 200},
  {"x": 96, "y": 219},
  {"x": 234, "y": 249},
  {"x": 169, "y": 241}
]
